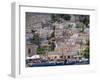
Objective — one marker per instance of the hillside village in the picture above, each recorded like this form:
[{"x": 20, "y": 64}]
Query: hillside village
[{"x": 57, "y": 36}]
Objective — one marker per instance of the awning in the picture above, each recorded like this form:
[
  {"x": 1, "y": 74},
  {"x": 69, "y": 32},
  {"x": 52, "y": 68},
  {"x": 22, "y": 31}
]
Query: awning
[{"x": 33, "y": 57}]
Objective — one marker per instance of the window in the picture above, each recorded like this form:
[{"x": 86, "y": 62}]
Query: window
[{"x": 29, "y": 51}]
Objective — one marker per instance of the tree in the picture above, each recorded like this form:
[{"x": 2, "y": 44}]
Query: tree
[
  {"x": 57, "y": 17},
  {"x": 54, "y": 18},
  {"x": 40, "y": 51},
  {"x": 86, "y": 52},
  {"x": 80, "y": 26},
  {"x": 84, "y": 19},
  {"x": 52, "y": 34},
  {"x": 66, "y": 17},
  {"x": 33, "y": 31},
  {"x": 52, "y": 46},
  {"x": 36, "y": 40}
]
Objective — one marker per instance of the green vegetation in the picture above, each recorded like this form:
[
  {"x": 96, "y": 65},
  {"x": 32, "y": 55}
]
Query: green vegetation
[
  {"x": 57, "y": 17},
  {"x": 66, "y": 17},
  {"x": 86, "y": 52},
  {"x": 52, "y": 46},
  {"x": 36, "y": 40},
  {"x": 80, "y": 27},
  {"x": 52, "y": 34},
  {"x": 54, "y": 18},
  {"x": 84, "y": 19},
  {"x": 40, "y": 51}
]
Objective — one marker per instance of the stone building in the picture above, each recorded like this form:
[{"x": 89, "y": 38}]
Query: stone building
[{"x": 31, "y": 49}]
